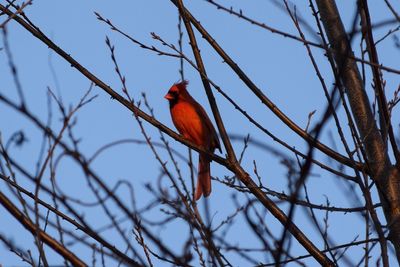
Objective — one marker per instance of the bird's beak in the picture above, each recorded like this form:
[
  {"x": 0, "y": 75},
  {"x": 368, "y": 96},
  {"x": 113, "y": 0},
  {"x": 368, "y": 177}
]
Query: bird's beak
[{"x": 168, "y": 97}]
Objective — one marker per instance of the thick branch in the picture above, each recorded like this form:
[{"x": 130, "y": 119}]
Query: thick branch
[
  {"x": 83, "y": 227},
  {"x": 30, "y": 226}
]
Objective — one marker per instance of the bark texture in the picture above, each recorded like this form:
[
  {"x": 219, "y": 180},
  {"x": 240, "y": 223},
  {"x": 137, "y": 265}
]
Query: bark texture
[{"x": 380, "y": 169}]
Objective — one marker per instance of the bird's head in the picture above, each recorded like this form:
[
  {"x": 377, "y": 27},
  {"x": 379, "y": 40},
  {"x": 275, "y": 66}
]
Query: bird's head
[{"x": 176, "y": 92}]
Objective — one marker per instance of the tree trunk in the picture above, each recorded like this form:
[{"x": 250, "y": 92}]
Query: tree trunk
[{"x": 385, "y": 175}]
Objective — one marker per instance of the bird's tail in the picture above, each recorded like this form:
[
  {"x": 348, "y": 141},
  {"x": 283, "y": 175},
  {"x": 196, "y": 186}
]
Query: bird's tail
[{"x": 204, "y": 178}]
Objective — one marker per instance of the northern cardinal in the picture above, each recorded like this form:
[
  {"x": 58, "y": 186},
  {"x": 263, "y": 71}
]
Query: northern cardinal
[{"x": 191, "y": 120}]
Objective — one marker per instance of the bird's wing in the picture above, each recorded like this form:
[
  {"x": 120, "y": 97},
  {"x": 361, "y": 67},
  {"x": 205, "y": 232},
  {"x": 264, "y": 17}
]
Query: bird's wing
[{"x": 210, "y": 127}]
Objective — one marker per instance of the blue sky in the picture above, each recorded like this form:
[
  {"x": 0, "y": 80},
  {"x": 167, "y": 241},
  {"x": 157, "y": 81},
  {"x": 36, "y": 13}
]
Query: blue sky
[{"x": 279, "y": 66}]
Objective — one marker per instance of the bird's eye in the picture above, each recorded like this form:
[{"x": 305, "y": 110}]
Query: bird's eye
[{"x": 173, "y": 93}]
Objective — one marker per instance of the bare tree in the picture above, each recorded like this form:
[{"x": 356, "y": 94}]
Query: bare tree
[{"x": 353, "y": 142}]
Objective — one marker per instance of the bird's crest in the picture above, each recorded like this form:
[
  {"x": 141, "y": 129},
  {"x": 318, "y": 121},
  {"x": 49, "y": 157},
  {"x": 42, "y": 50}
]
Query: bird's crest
[{"x": 182, "y": 85}]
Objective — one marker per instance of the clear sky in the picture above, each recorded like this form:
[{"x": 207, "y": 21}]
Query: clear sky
[{"x": 279, "y": 66}]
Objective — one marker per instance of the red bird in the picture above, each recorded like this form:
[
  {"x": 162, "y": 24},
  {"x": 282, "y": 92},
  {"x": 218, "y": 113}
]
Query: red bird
[{"x": 191, "y": 120}]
